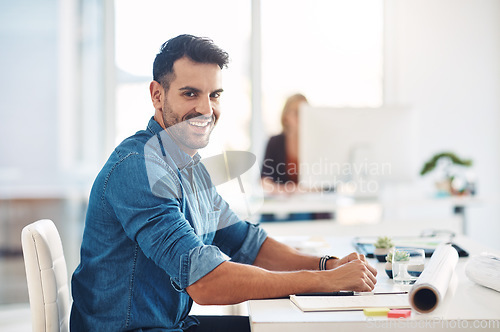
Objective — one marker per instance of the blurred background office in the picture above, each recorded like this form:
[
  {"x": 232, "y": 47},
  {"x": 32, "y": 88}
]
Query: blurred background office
[{"x": 75, "y": 75}]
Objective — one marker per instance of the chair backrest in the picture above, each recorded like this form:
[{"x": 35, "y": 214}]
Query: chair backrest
[{"x": 47, "y": 276}]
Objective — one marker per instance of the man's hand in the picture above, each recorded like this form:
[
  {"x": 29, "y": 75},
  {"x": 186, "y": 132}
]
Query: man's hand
[
  {"x": 334, "y": 263},
  {"x": 351, "y": 274}
]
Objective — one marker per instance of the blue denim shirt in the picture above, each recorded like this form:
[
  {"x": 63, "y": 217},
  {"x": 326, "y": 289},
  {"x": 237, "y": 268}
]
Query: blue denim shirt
[{"x": 155, "y": 225}]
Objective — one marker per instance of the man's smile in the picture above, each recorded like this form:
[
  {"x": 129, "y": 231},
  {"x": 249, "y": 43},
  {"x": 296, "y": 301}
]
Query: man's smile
[{"x": 198, "y": 123}]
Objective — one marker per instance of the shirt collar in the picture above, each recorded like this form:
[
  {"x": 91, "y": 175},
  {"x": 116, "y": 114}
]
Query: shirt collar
[{"x": 181, "y": 159}]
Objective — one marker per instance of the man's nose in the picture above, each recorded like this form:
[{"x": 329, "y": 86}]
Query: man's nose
[{"x": 205, "y": 106}]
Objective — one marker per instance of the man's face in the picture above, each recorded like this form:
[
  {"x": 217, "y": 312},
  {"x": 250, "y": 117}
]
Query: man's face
[{"x": 190, "y": 107}]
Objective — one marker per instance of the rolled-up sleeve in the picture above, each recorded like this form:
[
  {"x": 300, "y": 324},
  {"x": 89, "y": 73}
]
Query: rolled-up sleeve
[
  {"x": 197, "y": 263},
  {"x": 241, "y": 241},
  {"x": 251, "y": 245}
]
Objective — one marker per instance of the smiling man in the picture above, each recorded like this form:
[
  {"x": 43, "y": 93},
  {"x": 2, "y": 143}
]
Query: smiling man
[
  {"x": 187, "y": 102},
  {"x": 156, "y": 229}
]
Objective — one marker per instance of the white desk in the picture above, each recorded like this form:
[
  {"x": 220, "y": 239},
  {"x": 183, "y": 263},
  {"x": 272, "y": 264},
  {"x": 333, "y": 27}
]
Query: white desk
[
  {"x": 465, "y": 306},
  {"x": 348, "y": 210}
]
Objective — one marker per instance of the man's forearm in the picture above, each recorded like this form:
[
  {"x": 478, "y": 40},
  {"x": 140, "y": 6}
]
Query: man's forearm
[
  {"x": 278, "y": 271},
  {"x": 276, "y": 256},
  {"x": 232, "y": 283}
]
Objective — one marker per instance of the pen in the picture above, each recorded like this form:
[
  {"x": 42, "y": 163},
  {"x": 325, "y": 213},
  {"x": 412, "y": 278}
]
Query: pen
[
  {"x": 341, "y": 293},
  {"x": 379, "y": 293}
]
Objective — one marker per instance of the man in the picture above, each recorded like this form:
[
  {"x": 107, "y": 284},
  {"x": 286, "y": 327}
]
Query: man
[{"x": 156, "y": 229}]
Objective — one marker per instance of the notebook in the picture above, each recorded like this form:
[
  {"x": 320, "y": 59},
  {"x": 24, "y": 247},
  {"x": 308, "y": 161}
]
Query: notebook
[{"x": 338, "y": 303}]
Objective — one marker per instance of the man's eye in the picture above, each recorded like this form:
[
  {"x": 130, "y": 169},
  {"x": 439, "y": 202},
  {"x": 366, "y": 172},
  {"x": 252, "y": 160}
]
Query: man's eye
[
  {"x": 189, "y": 94},
  {"x": 215, "y": 95}
]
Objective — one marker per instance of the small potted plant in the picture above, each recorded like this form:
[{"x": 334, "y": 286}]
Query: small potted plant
[{"x": 382, "y": 247}]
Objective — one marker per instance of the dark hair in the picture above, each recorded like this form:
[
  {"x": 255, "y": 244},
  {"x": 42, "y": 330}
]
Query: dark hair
[{"x": 198, "y": 49}]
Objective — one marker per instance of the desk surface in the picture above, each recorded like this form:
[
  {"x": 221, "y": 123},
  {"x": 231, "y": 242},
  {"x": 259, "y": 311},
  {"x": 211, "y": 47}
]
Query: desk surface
[
  {"x": 466, "y": 305},
  {"x": 373, "y": 211},
  {"x": 318, "y": 202}
]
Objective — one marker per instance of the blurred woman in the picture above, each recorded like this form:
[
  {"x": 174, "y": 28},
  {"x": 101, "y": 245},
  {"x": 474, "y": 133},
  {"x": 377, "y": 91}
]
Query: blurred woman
[{"x": 280, "y": 169}]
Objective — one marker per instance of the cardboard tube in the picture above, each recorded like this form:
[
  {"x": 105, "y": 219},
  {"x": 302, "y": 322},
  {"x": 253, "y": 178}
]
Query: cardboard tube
[{"x": 430, "y": 288}]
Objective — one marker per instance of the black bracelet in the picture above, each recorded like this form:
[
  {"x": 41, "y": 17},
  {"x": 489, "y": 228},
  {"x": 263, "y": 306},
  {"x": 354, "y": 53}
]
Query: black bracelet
[{"x": 323, "y": 260}]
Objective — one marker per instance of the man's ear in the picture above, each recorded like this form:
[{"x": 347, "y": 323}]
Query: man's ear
[{"x": 156, "y": 91}]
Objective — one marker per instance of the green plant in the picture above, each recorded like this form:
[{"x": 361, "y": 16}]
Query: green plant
[
  {"x": 401, "y": 256},
  {"x": 388, "y": 258},
  {"x": 384, "y": 242},
  {"x": 431, "y": 164}
]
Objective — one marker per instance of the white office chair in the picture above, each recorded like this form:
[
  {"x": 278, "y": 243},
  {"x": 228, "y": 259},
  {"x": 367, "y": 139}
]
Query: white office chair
[{"x": 47, "y": 277}]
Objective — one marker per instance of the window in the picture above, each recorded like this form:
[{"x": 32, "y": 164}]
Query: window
[{"x": 330, "y": 51}]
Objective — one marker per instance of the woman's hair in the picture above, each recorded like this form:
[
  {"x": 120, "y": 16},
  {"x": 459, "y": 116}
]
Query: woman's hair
[
  {"x": 287, "y": 108},
  {"x": 198, "y": 49}
]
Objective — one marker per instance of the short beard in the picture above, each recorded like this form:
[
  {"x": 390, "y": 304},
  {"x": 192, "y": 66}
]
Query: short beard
[{"x": 178, "y": 128}]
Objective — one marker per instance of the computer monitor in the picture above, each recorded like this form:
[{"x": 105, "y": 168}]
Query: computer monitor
[{"x": 357, "y": 150}]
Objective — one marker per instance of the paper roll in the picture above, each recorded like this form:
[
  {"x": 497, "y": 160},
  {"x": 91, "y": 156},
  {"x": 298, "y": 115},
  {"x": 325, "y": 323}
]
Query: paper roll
[{"x": 430, "y": 288}]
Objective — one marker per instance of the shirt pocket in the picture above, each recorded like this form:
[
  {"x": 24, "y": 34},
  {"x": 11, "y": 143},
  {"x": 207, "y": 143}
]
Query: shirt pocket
[
  {"x": 213, "y": 218},
  {"x": 211, "y": 225}
]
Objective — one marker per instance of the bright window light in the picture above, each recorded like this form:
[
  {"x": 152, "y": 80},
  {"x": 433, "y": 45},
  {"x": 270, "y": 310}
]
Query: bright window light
[{"x": 330, "y": 51}]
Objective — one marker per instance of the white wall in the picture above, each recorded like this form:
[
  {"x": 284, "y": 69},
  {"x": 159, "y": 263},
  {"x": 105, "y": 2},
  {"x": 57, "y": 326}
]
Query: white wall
[{"x": 444, "y": 62}]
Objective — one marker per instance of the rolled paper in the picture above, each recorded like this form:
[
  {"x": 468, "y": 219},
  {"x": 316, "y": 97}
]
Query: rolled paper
[{"x": 430, "y": 288}]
